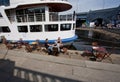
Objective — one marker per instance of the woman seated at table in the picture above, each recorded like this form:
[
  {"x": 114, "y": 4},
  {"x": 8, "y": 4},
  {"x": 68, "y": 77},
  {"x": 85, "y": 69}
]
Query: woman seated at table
[
  {"x": 59, "y": 40},
  {"x": 50, "y": 47},
  {"x": 99, "y": 51},
  {"x": 95, "y": 46},
  {"x": 59, "y": 43},
  {"x": 55, "y": 48}
]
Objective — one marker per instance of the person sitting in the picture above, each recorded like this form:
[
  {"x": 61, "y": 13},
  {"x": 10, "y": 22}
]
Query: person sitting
[
  {"x": 7, "y": 43},
  {"x": 59, "y": 41},
  {"x": 55, "y": 48},
  {"x": 46, "y": 43},
  {"x": 99, "y": 51},
  {"x": 4, "y": 41},
  {"x": 20, "y": 43},
  {"x": 47, "y": 46},
  {"x": 38, "y": 45},
  {"x": 95, "y": 46},
  {"x": 57, "y": 45}
]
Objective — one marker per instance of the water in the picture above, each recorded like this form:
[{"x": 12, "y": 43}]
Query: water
[
  {"x": 84, "y": 41},
  {"x": 83, "y": 44},
  {"x": 79, "y": 44}
]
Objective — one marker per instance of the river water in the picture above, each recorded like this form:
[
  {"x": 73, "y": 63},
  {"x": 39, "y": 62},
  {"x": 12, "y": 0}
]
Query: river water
[
  {"x": 85, "y": 43},
  {"x": 81, "y": 44}
]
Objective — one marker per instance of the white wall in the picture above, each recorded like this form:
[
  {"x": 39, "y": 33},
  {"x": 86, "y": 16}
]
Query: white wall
[
  {"x": 3, "y": 22},
  {"x": 13, "y": 2}
]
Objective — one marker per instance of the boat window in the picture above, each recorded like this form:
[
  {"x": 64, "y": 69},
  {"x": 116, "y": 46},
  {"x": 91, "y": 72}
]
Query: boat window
[
  {"x": 22, "y": 29},
  {"x": 4, "y": 2},
  {"x": 30, "y": 11},
  {"x": 52, "y": 27},
  {"x": 64, "y": 27},
  {"x": 35, "y": 28},
  {"x": 20, "y": 12},
  {"x": 30, "y": 14},
  {"x": 40, "y": 10},
  {"x": 4, "y": 29}
]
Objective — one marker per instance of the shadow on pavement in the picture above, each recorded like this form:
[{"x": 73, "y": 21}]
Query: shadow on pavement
[
  {"x": 6, "y": 70},
  {"x": 10, "y": 73}
]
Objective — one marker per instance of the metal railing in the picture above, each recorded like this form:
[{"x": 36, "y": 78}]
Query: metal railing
[
  {"x": 56, "y": 17},
  {"x": 31, "y": 17},
  {"x": 40, "y": 17}
]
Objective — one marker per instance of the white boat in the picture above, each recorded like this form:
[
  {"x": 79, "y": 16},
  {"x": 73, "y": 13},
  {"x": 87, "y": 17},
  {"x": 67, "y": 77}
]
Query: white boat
[{"x": 36, "y": 19}]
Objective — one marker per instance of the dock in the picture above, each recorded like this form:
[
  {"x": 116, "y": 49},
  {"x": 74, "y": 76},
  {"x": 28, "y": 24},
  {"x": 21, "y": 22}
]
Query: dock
[{"x": 20, "y": 66}]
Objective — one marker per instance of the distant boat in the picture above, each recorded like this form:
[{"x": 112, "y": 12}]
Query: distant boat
[{"x": 36, "y": 20}]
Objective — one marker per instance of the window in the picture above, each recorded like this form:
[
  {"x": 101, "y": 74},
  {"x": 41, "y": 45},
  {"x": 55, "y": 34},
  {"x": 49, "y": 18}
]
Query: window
[
  {"x": 65, "y": 27},
  {"x": 39, "y": 10},
  {"x": 22, "y": 29},
  {"x": 35, "y": 28},
  {"x": 53, "y": 27},
  {"x": 30, "y": 11},
  {"x": 5, "y": 2},
  {"x": 4, "y": 29},
  {"x": 31, "y": 14},
  {"x": 20, "y": 12}
]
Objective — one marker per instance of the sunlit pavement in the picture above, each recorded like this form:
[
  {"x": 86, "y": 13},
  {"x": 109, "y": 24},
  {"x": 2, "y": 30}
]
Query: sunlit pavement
[{"x": 16, "y": 66}]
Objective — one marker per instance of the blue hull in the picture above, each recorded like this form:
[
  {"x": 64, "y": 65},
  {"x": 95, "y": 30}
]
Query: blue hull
[{"x": 52, "y": 41}]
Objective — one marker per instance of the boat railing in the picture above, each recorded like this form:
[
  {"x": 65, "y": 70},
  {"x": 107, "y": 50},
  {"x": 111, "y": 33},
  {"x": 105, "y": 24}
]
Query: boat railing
[
  {"x": 61, "y": 17},
  {"x": 28, "y": 17},
  {"x": 36, "y": 17}
]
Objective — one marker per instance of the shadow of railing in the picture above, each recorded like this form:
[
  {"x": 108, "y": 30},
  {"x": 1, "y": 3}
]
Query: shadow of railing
[
  {"x": 10, "y": 73},
  {"x": 34, "y": 76}
]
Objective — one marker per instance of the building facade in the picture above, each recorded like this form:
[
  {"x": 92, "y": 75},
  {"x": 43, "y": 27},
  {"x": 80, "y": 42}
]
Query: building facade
[{"x": 99, "y": 17}]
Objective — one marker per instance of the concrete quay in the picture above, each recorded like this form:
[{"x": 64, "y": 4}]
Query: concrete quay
[{"x": 17, "y": 66}]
